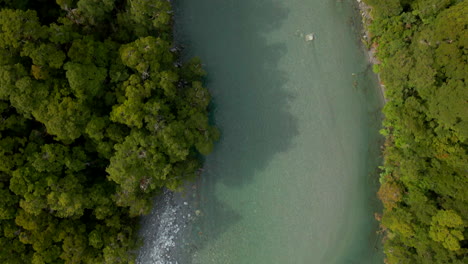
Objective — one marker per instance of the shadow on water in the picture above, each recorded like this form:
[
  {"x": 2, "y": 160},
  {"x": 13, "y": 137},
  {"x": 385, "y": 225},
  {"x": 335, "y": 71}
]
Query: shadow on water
[{"x": 250, "y": 106}]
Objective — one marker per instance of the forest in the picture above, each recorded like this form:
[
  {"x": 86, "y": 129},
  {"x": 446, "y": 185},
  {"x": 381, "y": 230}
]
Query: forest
[
  {"x": 422, "y": 46},
  {"x": 98, "y": 114}
]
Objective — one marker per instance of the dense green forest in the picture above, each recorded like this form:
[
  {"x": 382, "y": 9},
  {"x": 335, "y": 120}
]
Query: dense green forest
[
  {"x": 97, "y": 115},
  {"x": 422, "y": 46}
]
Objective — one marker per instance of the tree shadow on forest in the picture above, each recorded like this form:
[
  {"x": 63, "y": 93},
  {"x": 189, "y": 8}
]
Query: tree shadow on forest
[{"x": 249, "y": 106}]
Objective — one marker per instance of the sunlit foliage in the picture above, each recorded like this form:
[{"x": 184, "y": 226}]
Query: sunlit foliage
[
  {"x": 423, "y": 49},
  {"x": 97, "y": 115}
]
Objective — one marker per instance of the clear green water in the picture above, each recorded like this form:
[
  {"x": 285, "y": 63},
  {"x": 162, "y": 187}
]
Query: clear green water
[{"x": 293, "y": 178}]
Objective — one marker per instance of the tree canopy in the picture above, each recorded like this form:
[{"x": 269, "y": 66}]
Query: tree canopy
[
  {"x": 97, "y": 115},
  {"x": 423, "y": 49}
]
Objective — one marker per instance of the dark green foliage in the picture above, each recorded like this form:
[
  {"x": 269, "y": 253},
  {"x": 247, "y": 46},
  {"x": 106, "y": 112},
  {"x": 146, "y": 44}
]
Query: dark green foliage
[
  {"x": 96, "y": 117},
  {"x": 423, "y": 49},
  {"x": 385, "y": 8}
]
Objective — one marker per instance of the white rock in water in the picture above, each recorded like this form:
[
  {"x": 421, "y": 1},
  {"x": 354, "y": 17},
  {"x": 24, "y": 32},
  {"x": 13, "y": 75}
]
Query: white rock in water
[{"x": 309, "y": 37}]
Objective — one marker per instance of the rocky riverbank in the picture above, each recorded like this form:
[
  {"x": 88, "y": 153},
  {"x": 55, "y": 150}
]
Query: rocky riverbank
[{"x": 366, "y": 37}]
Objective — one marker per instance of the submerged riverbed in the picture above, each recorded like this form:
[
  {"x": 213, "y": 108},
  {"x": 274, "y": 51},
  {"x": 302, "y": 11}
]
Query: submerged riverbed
[{"x": 293, "y": 178}]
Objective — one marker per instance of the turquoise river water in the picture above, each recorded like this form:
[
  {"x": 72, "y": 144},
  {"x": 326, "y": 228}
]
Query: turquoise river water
[{"x": 293, "y": 178}]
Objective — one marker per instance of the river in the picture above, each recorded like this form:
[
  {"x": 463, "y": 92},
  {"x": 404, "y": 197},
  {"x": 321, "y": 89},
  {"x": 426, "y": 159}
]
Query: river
[{"x": 293, "y": 177}]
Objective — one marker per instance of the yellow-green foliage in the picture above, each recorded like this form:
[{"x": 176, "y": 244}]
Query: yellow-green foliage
[{"x": 423, "y": 47}]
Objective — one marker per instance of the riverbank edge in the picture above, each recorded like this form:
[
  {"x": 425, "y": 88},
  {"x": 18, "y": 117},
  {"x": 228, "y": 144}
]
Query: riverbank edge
[
  {"x": 423, "y": 245},
  {"x": 371, "y": 51},
  {"x": 366, "y": 38}
]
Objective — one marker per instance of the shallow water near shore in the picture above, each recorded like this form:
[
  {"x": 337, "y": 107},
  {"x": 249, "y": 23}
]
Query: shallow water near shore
[{"x": 293, "y": 177}]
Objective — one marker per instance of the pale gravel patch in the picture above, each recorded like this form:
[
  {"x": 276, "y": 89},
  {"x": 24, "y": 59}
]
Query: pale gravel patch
[{"x": 161, "y": 230}]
